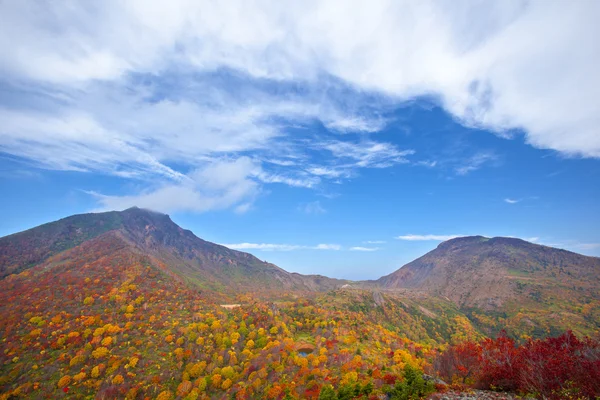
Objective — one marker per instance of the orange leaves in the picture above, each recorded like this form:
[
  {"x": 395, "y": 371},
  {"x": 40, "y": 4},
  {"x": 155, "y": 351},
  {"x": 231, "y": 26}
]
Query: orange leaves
[
  {"x": 216, "y": 380},
  {"x": 107, "y": 341},
  {"x": 118, "y": 379},
  {"x": 64, "y": 382},
  {"x": 169, "y": 338},
  {"x": 226, "y": 384},
  {"x": 166, "y": 395},
  {"x": 184, "y": 388}
]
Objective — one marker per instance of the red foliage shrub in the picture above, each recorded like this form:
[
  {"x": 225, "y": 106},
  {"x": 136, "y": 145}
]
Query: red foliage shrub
[
  {"x": 459, "y": 362},
  {"x": 553, "y": 368}
]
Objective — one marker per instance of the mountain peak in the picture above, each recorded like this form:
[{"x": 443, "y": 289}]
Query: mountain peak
[
  {"x": 161, "y": 241},
  {"x": 477, "y": 271}
]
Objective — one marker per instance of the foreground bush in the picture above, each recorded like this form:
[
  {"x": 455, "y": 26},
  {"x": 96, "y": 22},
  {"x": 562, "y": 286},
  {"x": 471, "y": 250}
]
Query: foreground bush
[{"x": 554, "y": 368}]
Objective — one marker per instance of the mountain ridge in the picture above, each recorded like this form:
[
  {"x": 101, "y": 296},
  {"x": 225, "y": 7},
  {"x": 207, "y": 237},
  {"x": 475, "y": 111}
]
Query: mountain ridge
[{"x": 154, "y": 234}]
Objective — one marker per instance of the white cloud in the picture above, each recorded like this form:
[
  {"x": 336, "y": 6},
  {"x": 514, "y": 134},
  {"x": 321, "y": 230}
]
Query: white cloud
[
  {"x": 366, "y": 153},
  {"x": 280, "y": 247},
  {"x": 511, "y": 201},
  {"x": 220, "y": 185},
  {"x": 375, "y": 241},
  {"x": 328, "y": 247},
  {"x": 427, "y": 237},
  {"x": 475, "y": 162},
  {"x": 359, "y": 248},
  {"x": 500, "y": 65},
  {"x": 314, "y": 207}
]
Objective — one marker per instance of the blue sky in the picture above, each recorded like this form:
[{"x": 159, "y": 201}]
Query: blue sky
[{"x": 345, "y": 144}]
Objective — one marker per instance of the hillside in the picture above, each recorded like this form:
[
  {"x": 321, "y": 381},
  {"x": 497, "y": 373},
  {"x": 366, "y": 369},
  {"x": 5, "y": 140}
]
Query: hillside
[
  {"x": 506, "y": 276},
  {"x": 163, "y": 243}
]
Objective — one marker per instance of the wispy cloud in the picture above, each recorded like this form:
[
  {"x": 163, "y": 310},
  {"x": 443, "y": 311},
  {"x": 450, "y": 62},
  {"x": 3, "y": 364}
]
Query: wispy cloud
[
  {"x": 427, "y": 237},
  {"x": 360, "y": 248},
  {"x": 281, "y": 247},
  {"x": 475, "y": 162},
  {"x": 314, "y": 207},
  {"x": 511, "y": 201},
  {"x": 375, "y": 241},
  {"x": 218, "y": 185}
]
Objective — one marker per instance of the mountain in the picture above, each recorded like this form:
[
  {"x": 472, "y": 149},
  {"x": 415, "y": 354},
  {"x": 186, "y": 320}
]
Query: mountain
[
  {"x": 508, "y": 276},
  {"x": 161, "y": 242},
  {"x": 487, "y": 272}
]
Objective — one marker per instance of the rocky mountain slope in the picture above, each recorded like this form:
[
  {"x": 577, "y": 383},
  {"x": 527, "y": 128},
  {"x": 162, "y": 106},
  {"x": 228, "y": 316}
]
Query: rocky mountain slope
[
  {"x": 487, "y": 272},
  {"x": 520, "y": 285},
  {"x": 161, "y": 242}
]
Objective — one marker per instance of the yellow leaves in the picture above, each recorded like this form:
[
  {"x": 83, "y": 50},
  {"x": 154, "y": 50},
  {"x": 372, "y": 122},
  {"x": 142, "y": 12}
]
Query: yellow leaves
[
  {"x": 118, "y": 379},
  {"x": 228, "y": 372},
  {"x": 201, "y": 384},
  {"x": 215, "y": 325},
  {"x": 197, "y": 369},
  {"x": 226, "y": 384},
  {"x": 166, "y": 395},
  {"x": 39, "y": 321},
  {"x": 350, "y": 377},
  {"x": 64, "y": 381},
  {"x": 178, "y": 353},
  {"x": 200, "y": 341},
  {"x": 100, "y": 352},
  {"x": 250, "y": 344},
  {"x": 130, "y": 309},
  {"x": 88, "y": 301},
  {"x": 179, "y": 341},
  {"x": 99, "y": 332},
  {"x": 274, "y": 330},
  {"x": 107, "y": 341},
  {"x": 79, "y": 377},
  {"x": 35, "y": 333},
  {"x": 77, "y": 360},
  {"x": 133, "y": 362},
  {"x": 301, "y": 362},
  {"x": 95, "y": 372}
]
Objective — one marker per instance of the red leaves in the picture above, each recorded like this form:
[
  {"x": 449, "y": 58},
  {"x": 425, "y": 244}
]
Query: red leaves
[
  {"x": 554, "y": 368},
  {"x": 389, "y": 379}
]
